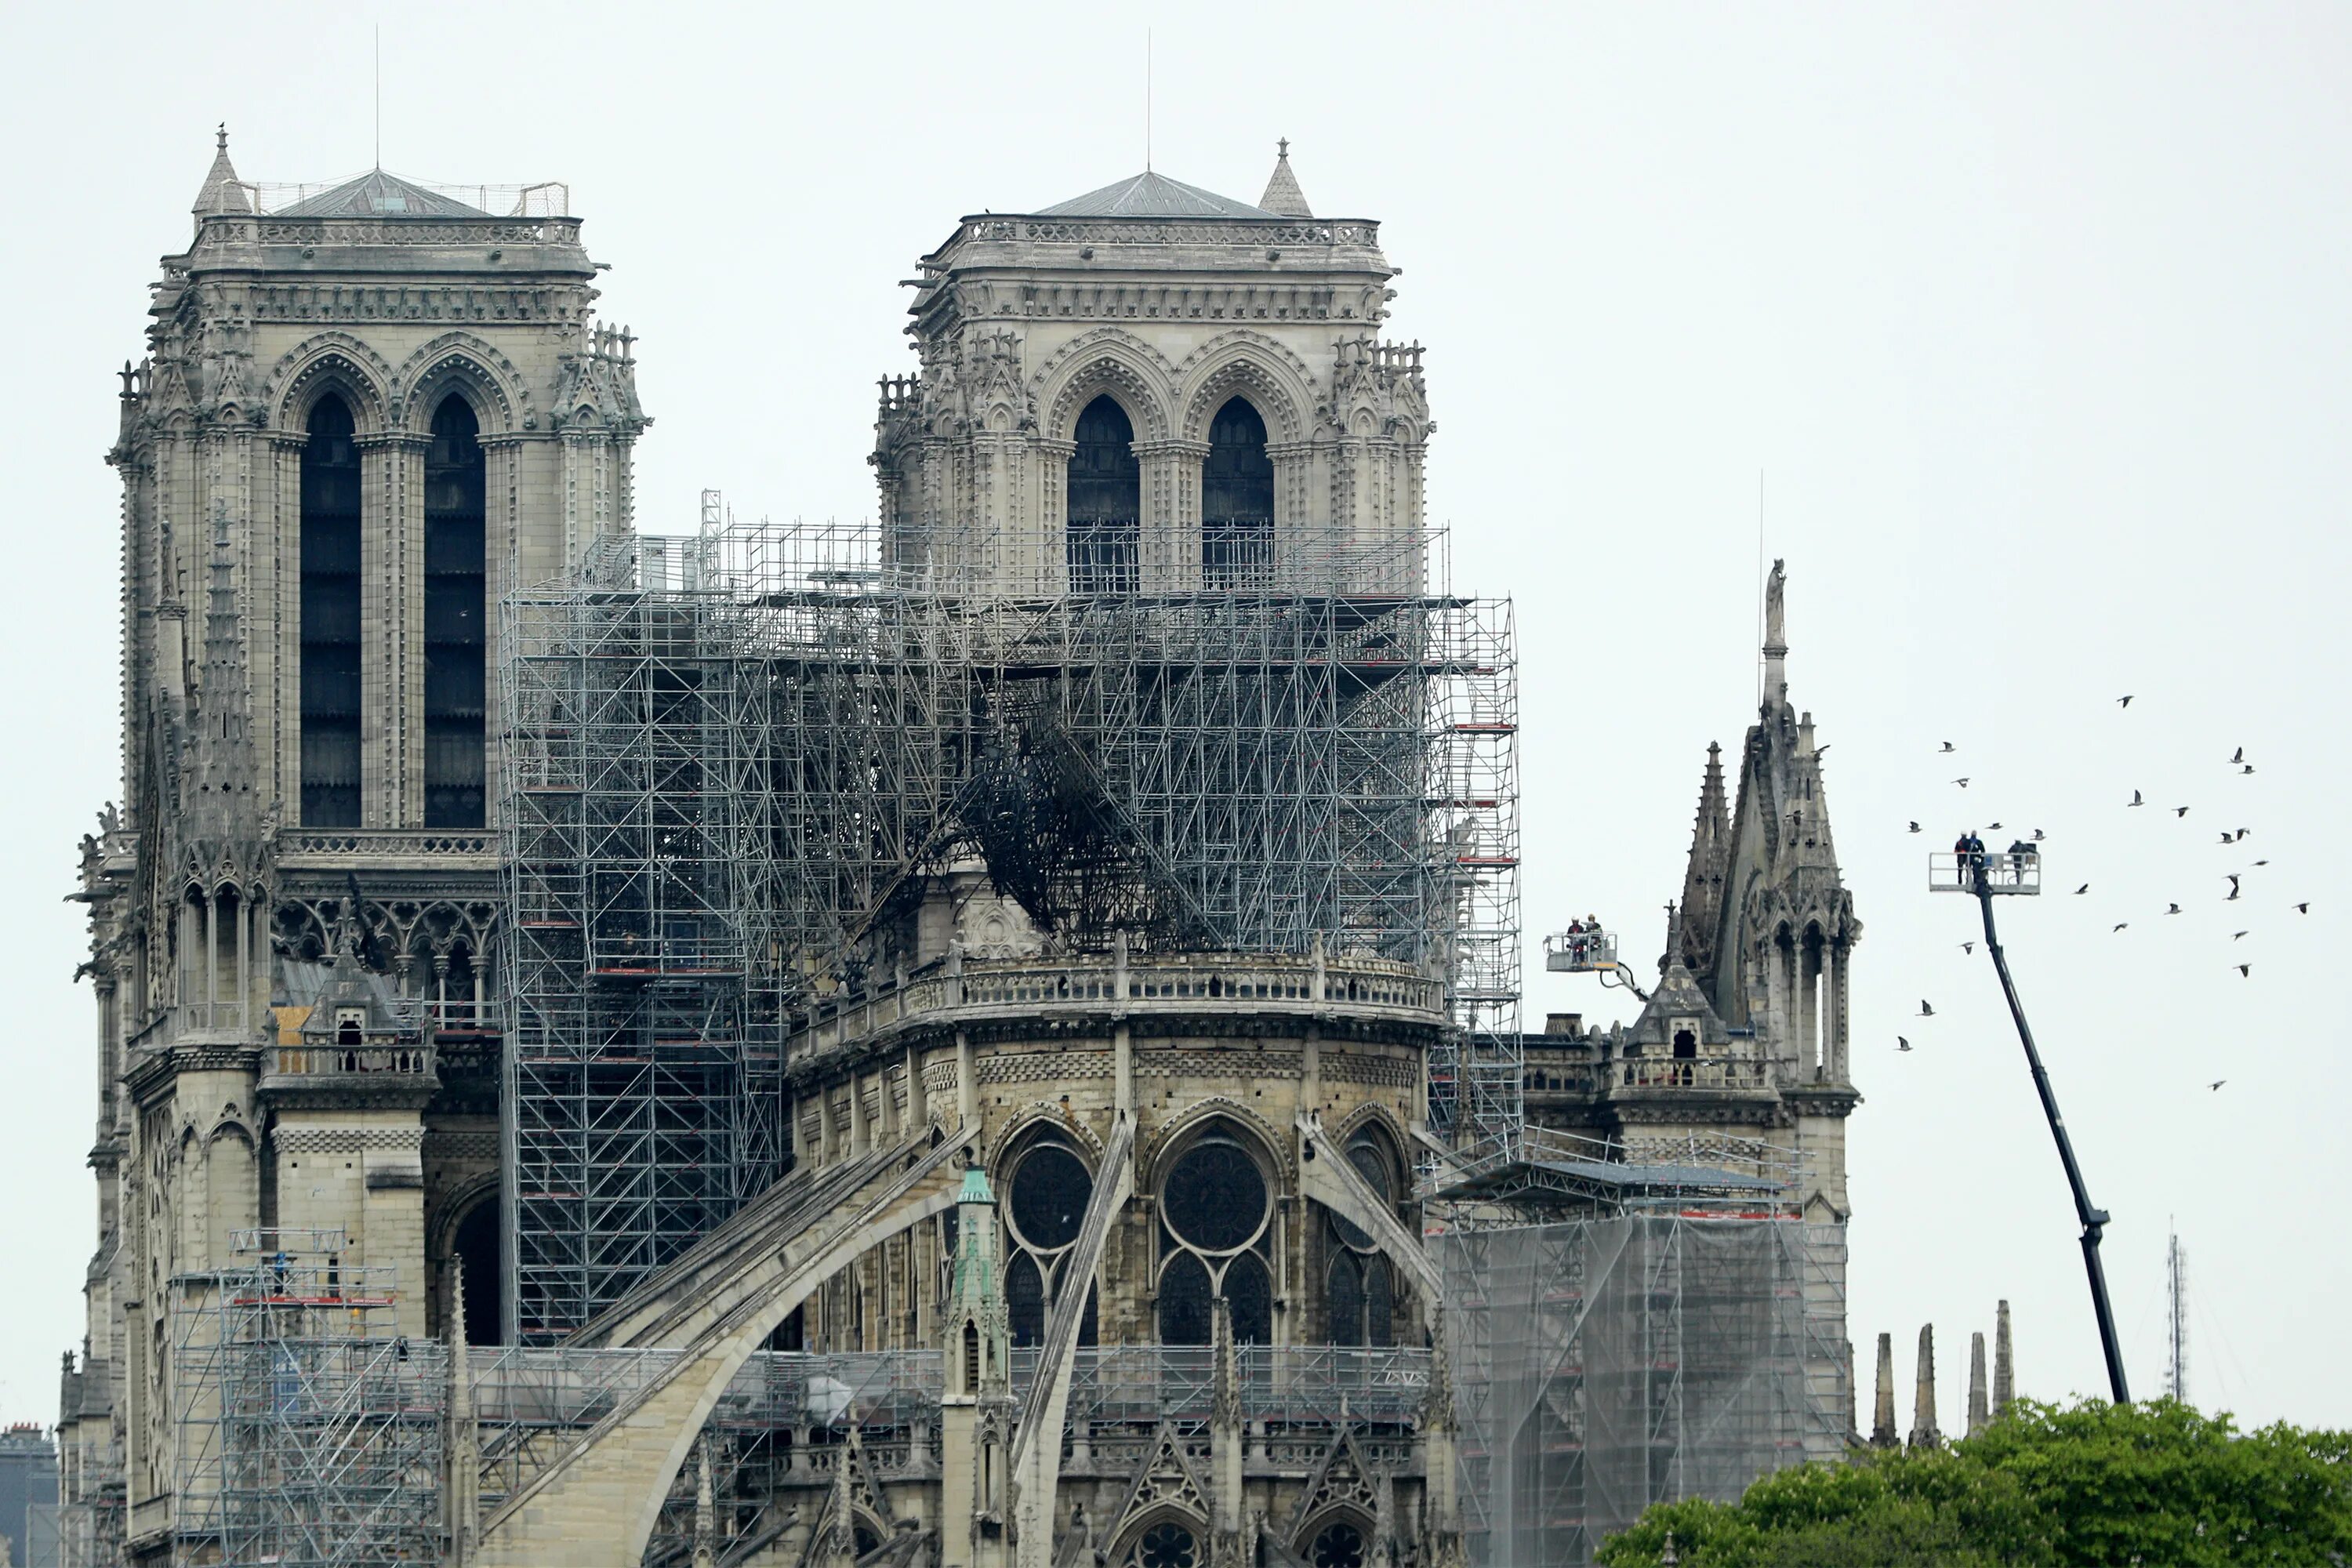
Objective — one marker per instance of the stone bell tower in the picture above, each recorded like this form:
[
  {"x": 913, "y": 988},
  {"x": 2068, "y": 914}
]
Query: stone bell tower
[
  {"x": 365, "y": 409},
  {"x": 1153, "y": 387}
]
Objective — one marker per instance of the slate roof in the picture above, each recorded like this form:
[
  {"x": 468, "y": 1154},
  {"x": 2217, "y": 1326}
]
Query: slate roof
[
  {"x": 1149, "y": 195},
  {"x": 378, "y": 195}
]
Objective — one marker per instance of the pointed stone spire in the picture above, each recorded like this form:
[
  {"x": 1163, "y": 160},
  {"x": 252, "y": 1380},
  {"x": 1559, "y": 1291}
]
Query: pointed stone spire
[
  {"x": 1225, "y": 1436},
  {"x": 222, "y": 191},
  {"x": 462, "y": 1489},
  {"x": 1283, "y": 195},
  {"x": 1978, "y": 1411},
  {"x": 1701, "y": 900},
  {"x": 2004, "y": 1366},
  {"x": 1442, "y": 1517},
  {"x": 706, "y": 1529},
  {"x": 1924, "y": 1434},
  {"x": 1882, "y": 1414}
]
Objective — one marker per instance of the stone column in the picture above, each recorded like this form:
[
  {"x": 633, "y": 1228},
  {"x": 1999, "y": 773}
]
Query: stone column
[
  {"x": 1050, "y": 556},
  {"x": 1168, "y": 551},
  {"x": 392, "y": 613}
]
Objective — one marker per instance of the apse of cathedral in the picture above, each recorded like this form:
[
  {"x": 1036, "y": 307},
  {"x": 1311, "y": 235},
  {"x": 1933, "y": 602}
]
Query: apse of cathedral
[{"x": 987, "y": 1037}]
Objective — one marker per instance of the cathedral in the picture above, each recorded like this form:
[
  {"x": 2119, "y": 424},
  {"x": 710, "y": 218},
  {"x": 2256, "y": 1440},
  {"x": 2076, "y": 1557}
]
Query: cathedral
[{"x": 987, "y": 1037}]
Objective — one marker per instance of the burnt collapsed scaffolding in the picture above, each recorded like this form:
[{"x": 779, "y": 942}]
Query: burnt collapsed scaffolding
[{"x": 735, "y": 762}]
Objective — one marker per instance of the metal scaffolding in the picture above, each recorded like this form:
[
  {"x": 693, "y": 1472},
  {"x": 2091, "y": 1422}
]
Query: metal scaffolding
[
  {"x": 733, "y": 761},
  {"x": 307, "y": 1429},
  {"x": 1606, "y": 1364}
]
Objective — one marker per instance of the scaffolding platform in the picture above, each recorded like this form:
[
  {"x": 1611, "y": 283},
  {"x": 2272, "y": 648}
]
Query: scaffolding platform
[
  {"x": 733, "y": 758},
  {"x": 1584, "y": 952},
  {"x": 2000, "y": 873}
]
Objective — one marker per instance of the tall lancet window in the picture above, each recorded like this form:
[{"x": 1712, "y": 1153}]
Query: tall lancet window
[
  {"x": 454, "y": 644},
  {"x": 330, "y": 619},
  {"x": 1106, "y": 508},
  {"x": 1236, "y": 501}
]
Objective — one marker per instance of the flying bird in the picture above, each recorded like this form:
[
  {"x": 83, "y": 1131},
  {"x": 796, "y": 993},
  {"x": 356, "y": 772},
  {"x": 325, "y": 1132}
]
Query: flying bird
[
  {"x": 1992, "y": 826},
  {"x": 2246, "y": 971},
  {"x": 2243, "y": 831},
  {"x": 2303, "y": 909},
  {"x": 2123, "y": 701},
  {"x": 1968, "y": 947},
  {"x": 1947, "y": 746},
  {"x": 2247, "y": 769},
  {"x": 1925, "y": 1010},
  {"x": 2038, "y": 836},
  {"x": 1915, "y": 827},
  {"x": 2180, "y": 811},
  {"x": 2239, "y": 755},
  {"x": 2136, "y": 799},
  {"x": 2217, "y": 1083},
  {"x": 2261, "y": 862},
  {"x": 1962, "y": 783},
  {"x": 2234, "y": 886},
  {"x": 1901, "y": 1044},
  {"x": 2080, "y": 891},
  {"x": 2172, "y": 910},
  {"x": 2225, "y": 836},
  {"x": 2236, "y": 934},
  {"x": 2120, "y": 924}
]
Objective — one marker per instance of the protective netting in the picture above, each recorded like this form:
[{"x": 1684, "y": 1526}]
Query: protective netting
[{"x": 1601, "y": 1365}]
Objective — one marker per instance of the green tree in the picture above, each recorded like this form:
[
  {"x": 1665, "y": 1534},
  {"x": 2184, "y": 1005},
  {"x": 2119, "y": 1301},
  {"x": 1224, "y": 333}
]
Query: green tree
[{"x": 2093, "y": 1486}]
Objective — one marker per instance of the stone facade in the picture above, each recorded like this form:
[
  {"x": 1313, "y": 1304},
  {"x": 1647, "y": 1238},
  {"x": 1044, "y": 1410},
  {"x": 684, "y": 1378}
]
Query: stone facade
[
  {"x": 218, "y": 901},
  {"x": 1147, "y": 1215}
]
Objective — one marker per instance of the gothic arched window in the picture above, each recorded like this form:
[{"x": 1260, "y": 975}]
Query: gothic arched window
[
  {"x": 331, "y": 619},
  {"x": 454, "y": 671},
  {"x": 1216, "y": 1211},
  {"x": 1106, "y": 502},
  {"x": 1236, "y": 499},
  {"x": 1048, "y": 1198},
  {"x": 1359, "y": 1290}
]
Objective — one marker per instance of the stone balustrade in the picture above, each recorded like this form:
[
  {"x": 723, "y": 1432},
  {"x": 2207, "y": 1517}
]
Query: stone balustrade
[
  {"x": 1689, "y": 1072},
  {"x": 1206, "y": 983},
  {"x": 324, "y": 1059}
]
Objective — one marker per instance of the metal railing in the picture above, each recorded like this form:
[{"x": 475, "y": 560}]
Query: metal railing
[
  {"x": 546, "y": 198},
  {"x": 1995, "y": 871},
  {"x": 1579, "y": 952}
]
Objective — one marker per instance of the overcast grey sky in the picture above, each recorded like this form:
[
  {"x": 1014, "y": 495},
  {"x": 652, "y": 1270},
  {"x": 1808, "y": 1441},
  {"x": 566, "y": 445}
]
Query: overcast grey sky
[{"x": 2032, "y": 317}]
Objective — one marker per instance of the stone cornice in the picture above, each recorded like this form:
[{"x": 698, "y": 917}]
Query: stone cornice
[
  {"x": 1824, "y": 1099},
  {"x": 154, "y": 1070},
  {"x": 308, "y": 1140}
]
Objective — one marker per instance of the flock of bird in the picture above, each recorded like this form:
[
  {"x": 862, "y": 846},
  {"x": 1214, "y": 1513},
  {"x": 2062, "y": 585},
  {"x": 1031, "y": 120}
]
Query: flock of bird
[{"x": 2228, "y": 835}]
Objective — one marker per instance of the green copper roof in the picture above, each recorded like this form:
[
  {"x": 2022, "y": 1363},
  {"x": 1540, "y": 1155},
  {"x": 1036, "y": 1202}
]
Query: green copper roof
[{"x": 975, "y": 1187}]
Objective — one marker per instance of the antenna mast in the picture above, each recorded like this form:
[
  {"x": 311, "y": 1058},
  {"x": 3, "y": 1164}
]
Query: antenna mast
[{"x": 2175, "y": 1296}]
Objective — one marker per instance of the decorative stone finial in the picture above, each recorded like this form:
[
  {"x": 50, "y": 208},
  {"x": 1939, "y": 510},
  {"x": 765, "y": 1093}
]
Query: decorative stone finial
[
  {"x": 1978, "y": 1411},
  {"x": 2004, "y": 1365},
  {"x": 1283, "y": 198},
  {"x": 1882, "y": 1418},
  {"x": 1924, "y": 1434}
]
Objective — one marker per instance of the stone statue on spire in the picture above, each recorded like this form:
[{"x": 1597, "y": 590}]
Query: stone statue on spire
[{"x": 1776, "y": 620}]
